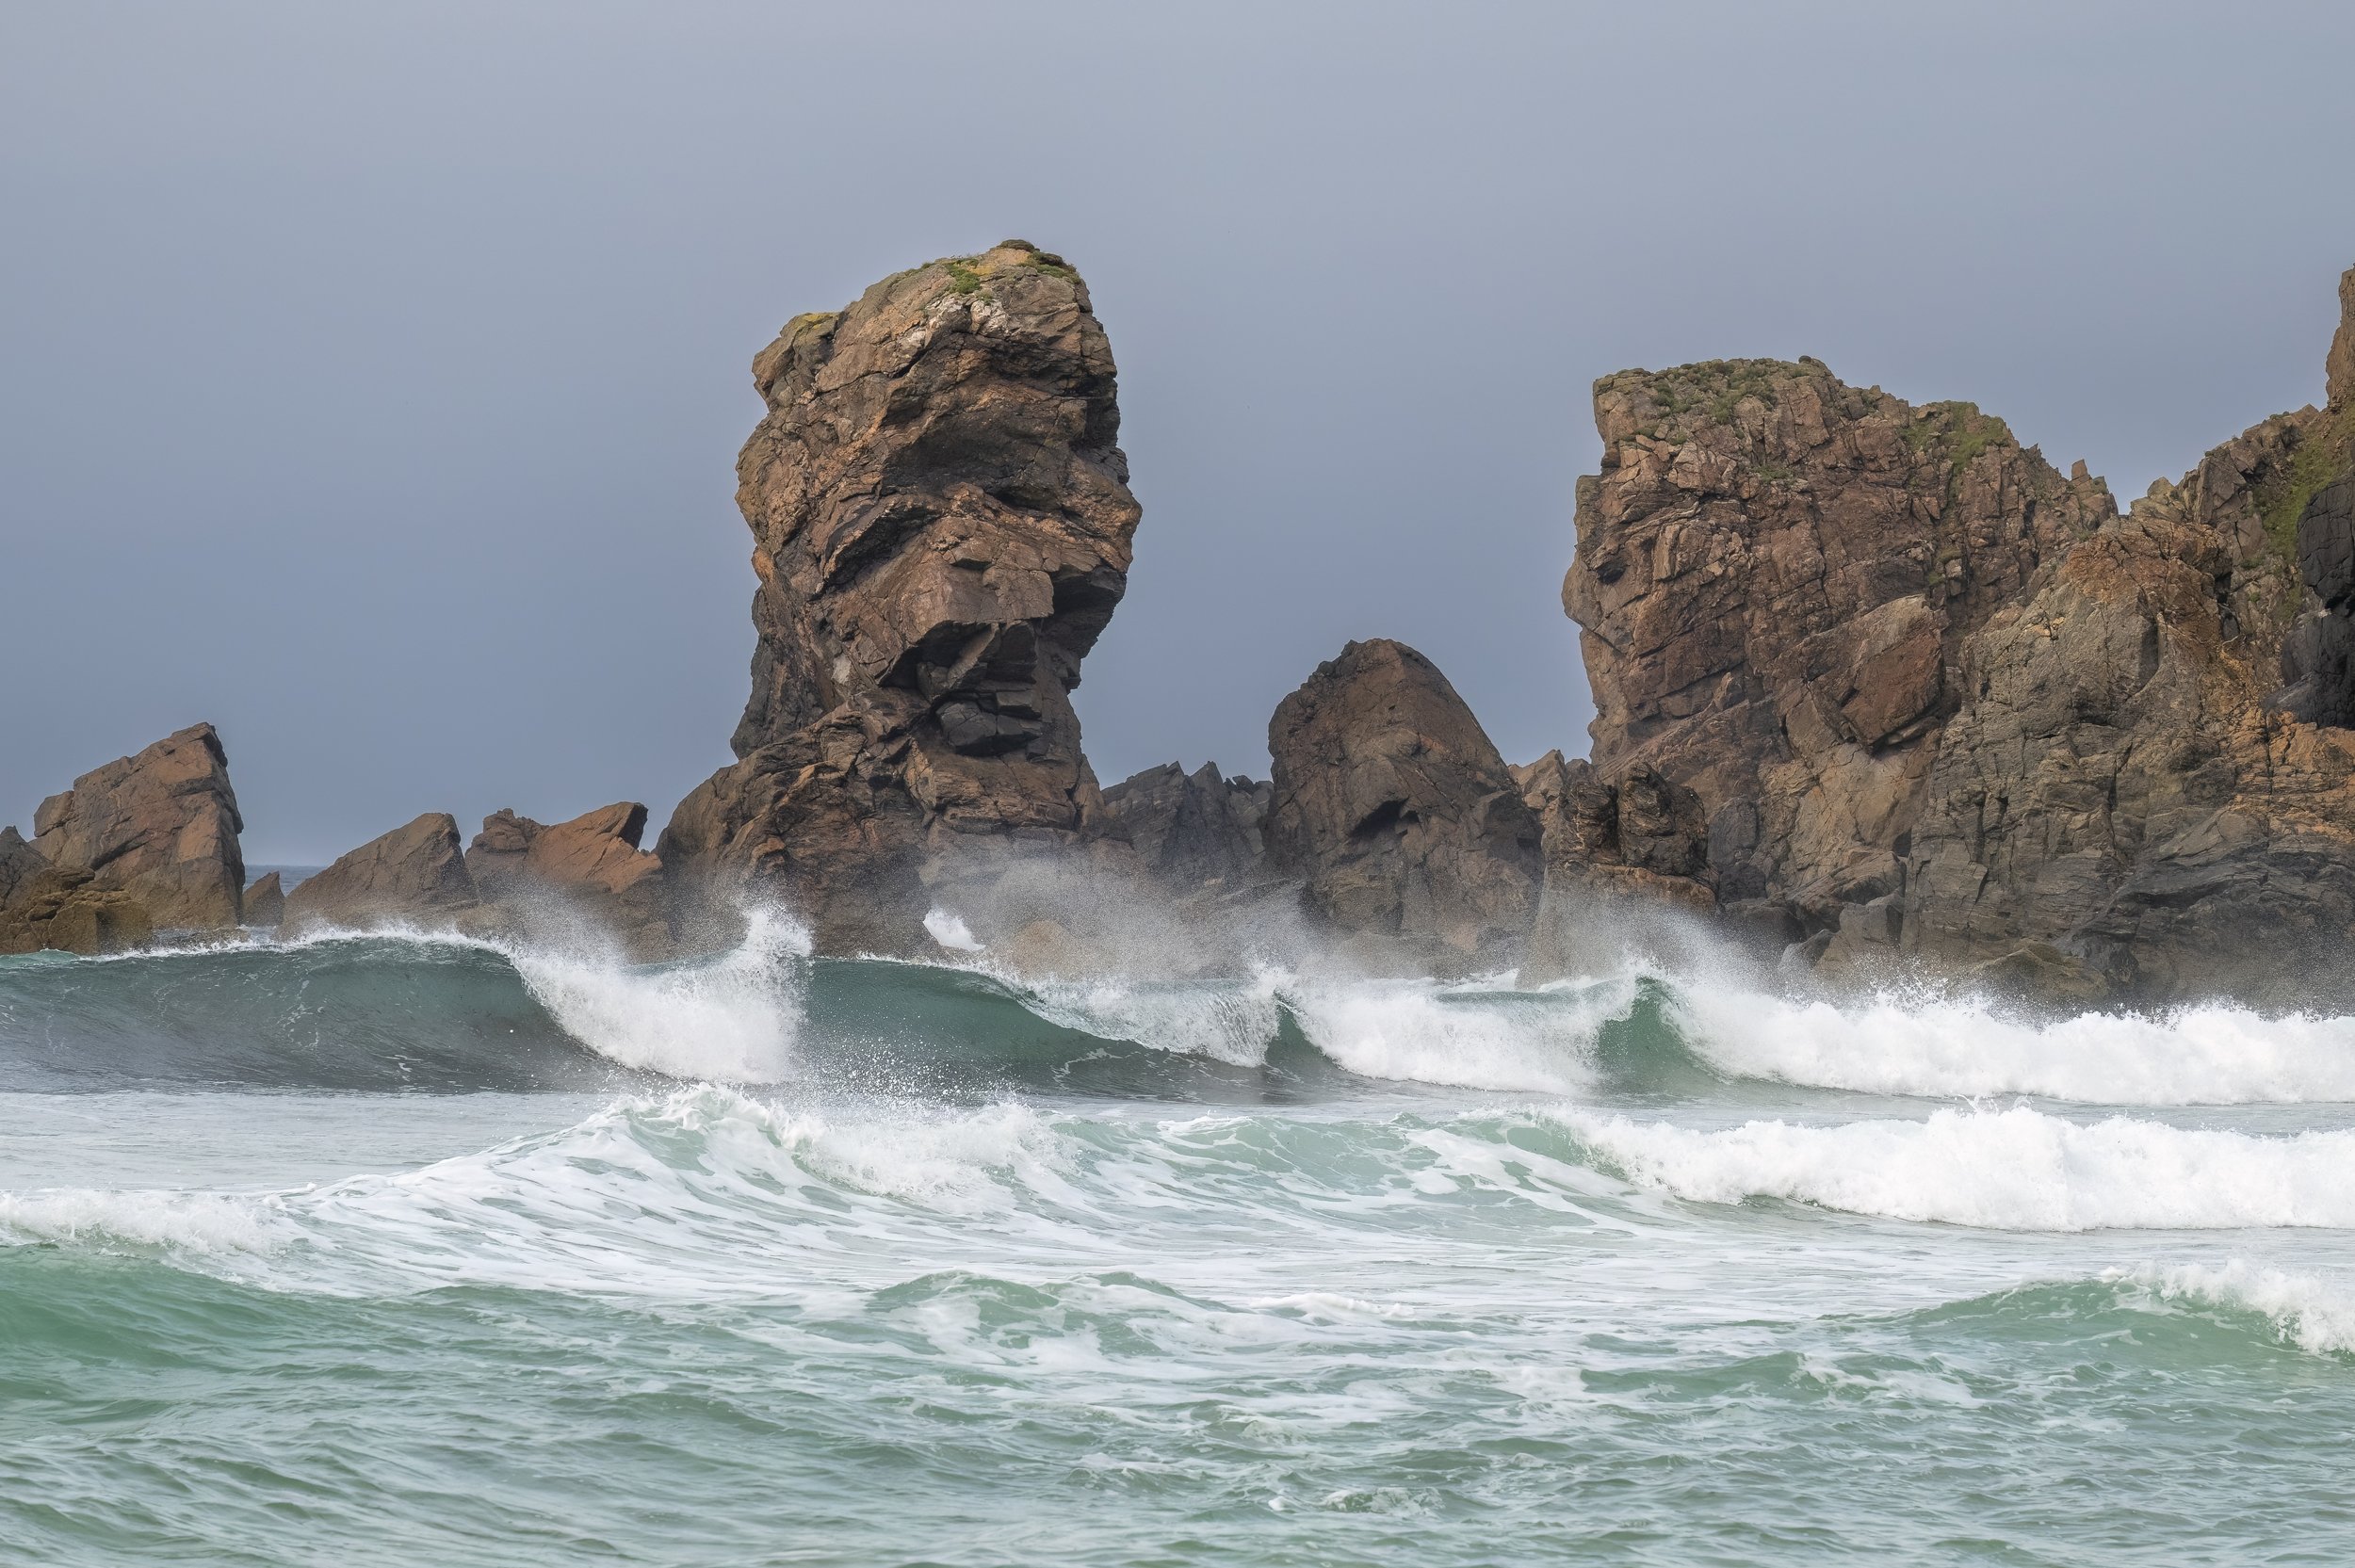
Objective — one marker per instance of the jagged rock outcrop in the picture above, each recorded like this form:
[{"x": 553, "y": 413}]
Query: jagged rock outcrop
[
  {"x": 265, "y": 900},
  {"x": 414, "y": 874},
  {"x": 1393, "y": 806},
  {"x": 941, "y": 523},
  {"x": 2083, "y": 756},
  {"x": 589, "y": 865},
  {"x": 1614, "y": 849},
  {"x": 1192, "y": 831},
  {"x": 1776, "y": 573},
  {"x": 160, "y": 825},
  {"x": 62, "y": 907}
]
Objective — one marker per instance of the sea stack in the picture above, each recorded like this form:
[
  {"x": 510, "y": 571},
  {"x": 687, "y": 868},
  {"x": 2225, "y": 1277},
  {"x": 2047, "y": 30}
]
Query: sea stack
[{"x": 941, "y": 523}]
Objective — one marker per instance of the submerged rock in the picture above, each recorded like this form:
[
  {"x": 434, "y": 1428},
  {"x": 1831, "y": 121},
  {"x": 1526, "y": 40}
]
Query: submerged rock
[
  {"x": 414, "y": 874},
  {"x": 941, "y": 523},
  {"x": 1393, "y": 806}
]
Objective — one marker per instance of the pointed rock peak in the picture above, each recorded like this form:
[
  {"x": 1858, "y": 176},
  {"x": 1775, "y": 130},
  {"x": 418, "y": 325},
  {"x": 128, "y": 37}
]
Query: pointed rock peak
[{"x": 2339, "y": 367}]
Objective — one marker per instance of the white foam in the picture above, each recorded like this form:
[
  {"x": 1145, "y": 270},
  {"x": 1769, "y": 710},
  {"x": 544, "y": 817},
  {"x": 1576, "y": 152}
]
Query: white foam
[
  {"x": 950, "y": 931},
  {"x": 1225, "y": 1021},
  {"x": 205, "y": 1223},
  {"x": 733, "y": 1018},
  {"x": 2004, "y": 1170},
  {"x": 1927, "y": 1045},
  {"x": 2307, "y": 1312},
  {"x": 1540, "y": 1043}
]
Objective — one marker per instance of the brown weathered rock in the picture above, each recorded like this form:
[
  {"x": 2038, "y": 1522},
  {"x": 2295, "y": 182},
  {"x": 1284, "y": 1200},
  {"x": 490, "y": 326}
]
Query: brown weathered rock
[
  {"x": 1943, "y": 704},
  {"x": 414, "y": 874},
  {"x": 20, "y": 863},
  {"x": 1392, "y": 805},
  {"x": 591, "y": 866},
  {"x": 160, "y": 827},
  {"x": 941, "y": 522},
  {"x": 1192, "y": 831},
  {"x": 1614, "y": 851},
  {"x": 264, "y": 902},
  {"x": 2338, "y": 366},
  {"x": 64, "y": 907},
  {"x": 1775, "y": 575}
]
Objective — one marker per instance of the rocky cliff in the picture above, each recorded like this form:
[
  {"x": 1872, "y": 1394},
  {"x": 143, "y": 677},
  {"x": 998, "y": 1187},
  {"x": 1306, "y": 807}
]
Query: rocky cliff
[
  {"x": 1936, "y": 700},
  {"x": 941, "y": 524},
  {"x": 1393, "y": 807}
]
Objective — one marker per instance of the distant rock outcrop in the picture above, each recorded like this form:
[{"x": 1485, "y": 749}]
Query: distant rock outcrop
[
  {"x": 591, "y": 866},
  {"x": 941, "y": 523},
  {"x": 265, "y": 900},
  {"x": 160, "y": 825},
  {"x": 1391, "y": 804},
  {"x": 414, "y": 874},
  {"x": 1192, "y": 831}
]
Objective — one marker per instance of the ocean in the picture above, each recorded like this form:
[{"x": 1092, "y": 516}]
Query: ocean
[{"x": 404, "y": 1250}]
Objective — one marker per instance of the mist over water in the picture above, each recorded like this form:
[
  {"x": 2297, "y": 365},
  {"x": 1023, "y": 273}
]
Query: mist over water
[{"x": 408, "y": 1249}]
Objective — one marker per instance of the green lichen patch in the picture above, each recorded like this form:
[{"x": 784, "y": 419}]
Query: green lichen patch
[{"x": 2283, "y": 491}]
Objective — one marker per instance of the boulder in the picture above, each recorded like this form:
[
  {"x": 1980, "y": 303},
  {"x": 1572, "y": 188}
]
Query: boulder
[
  {"x": 413, "y": 876},
  {"x": 1393, "y": 806},
  {"x": 1192, "y": 831},
  {"x": 264, "y": 902},
  {"x": 941, "y": 523},
  {"x": 160, "y": 825}
]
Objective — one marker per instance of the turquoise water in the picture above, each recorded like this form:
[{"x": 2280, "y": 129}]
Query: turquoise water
[{"x": 395, "y": 1252}]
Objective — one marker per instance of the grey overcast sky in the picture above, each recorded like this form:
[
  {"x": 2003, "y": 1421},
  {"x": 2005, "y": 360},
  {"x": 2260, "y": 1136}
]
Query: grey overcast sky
[{"x": 371, "y": 377}]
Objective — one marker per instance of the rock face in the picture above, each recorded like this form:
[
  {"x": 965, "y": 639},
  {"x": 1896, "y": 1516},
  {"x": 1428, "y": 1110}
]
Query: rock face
[
  {"x": 1192, "y": 831},
  {"x": 1393, "y": 807},
  {"x": 1776, "y": 573},
  {"x": 2086, "y": 755},
  {"x": 264, "y": 902},
  {"x": 590, "y": 864},
  {"x": 941, "y": 524},
  {"x": 160, "y": 827},
  {"x": 1613, "y": 849},
  {"x": 414, "y": 874},
  {"x": 48, "y": 906}
]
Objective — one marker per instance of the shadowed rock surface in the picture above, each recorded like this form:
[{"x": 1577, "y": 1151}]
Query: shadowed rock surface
[
  {"x": 941, "y": 524},
  {"x": 160, "y": 825},
  {"x": 265, "y": 900},
  {"x": 1393, "y": 806},
  {"x": 414, "y": 874},
  {"x": 1194, "y": 831}
]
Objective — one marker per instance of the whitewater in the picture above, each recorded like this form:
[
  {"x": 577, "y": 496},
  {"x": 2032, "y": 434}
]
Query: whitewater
[{"x": 404, "y": 1249}]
